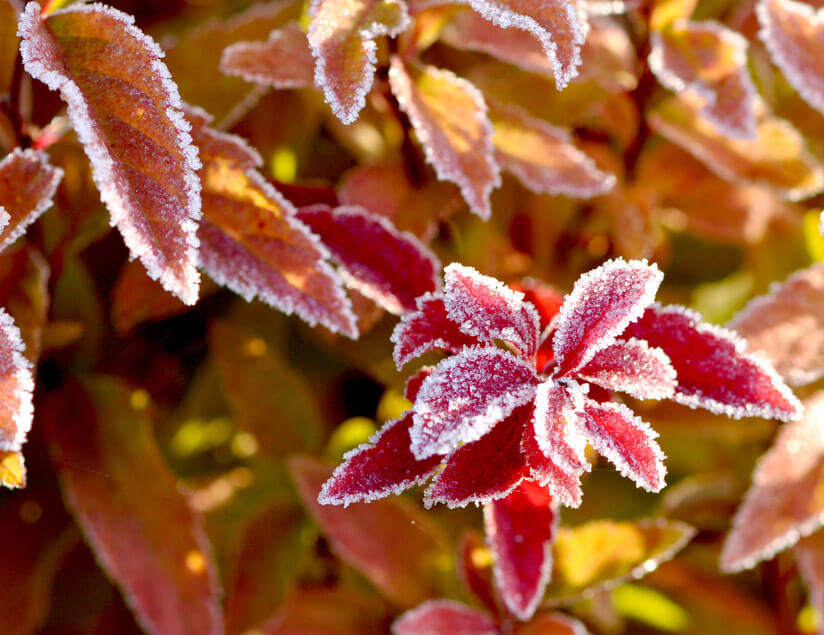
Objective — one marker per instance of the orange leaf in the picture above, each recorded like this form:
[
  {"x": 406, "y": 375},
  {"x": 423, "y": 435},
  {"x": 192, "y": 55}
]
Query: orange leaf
[
  {"x": 12, "y": 469},
  {"x": 324, "y": 611},
  {"x": 126, "y": 500},
  {"x": 16, "y": 385},
  {"x": 126, "y": 111},
  {"x": 449, "y": 117}
]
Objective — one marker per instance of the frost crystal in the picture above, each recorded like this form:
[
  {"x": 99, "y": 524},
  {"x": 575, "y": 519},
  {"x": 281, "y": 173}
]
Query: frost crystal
[{"x": 16, "y": 386}]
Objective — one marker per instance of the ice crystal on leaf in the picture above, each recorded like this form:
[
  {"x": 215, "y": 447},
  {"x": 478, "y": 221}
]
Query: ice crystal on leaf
[{"x": 16, "y": 385}]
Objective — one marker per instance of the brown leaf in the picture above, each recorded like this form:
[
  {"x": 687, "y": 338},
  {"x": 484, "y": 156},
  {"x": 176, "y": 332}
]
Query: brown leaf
[
  {"x": 321, "y": 611},
  {"x": 126, "y": 111},
  {"x": 24, "y": 292},
  {"x": 126, "y": 499},
  {"x": 9, "y": 10}
]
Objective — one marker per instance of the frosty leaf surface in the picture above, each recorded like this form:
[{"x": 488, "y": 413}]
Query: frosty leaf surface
[
  {"x": 414, "y": 383},
  {"x": 710, "y": 60},
  {"x": 602, "y": 303},
  {"x": 546, "y": 299},
  {"x": 27, "y": 186},
  {"x": 282, "y": 61},
  {"x": 342, "y": 37},
  {"x": 519, "y": 530},
  {"x": 126, "y": 111},
  {"x": 631, "y": 366},
  {"x": 543, "y": 157},
  {"x": 16, "y": 386},
  {"x": 449, "y": 117},
  {"x": 787, "y": 325},
  {"x": 444, "y": 617},
  {"x": 486, "y": 309},
  {"x": 713, "y": 367},
  {"x": 554, "y": 428},
  {"x": 563, "y": 484},
  {"x": 126, "y": 500},
  {"x": 466, "y": 396},
  {"x": 389, "y": 267}
]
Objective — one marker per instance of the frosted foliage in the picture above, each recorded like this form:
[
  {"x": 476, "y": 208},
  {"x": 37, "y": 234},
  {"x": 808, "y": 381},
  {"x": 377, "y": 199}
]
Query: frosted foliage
[
  {"x": 711, "y": 61},
  {"x": 127, "y": 113},
  {"x": 16, "y": 386},
  {"x": 27, "y": 186},
  {"x": 444, "y": 617},
  {"x": 556, "y": 428},
  {"x": 342, "y": 40},
  {"x": 564, "y": 485},
  {"x": 217, "y": 146},
  {"x": 787, "y": 325},
  {"x": 449, "y": 117},
  {"x": 632, "y": 367},
  {"x": 784, "y": 502},
  {"x": 627, "y": 441},
  {"x": 602, "y": 303},
  {"x": 487, "y": 309},
  {"x": 263, "y": 62},
  {"x": 466, "y": 396}
]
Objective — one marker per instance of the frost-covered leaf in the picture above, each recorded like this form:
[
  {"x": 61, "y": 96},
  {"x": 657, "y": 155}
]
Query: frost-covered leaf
[
  {"x": 776, "y": 158},
  {"x": 543, "y": 157},
  {"x": 488, "y": 310},
  {"x": 784, "y": 502},
  {"x": 483, "y": 470},
  {"x": 713, "y": 367},
  {"x": 787, "y": 325},
  {"x": 399, "y": 551},
  {"x": 554, "y": 426},
  {"x": 466, "y": 396},
  {"x": 602, "y": 303},
  {"x": 627, "y": 441},
  {"x": 519, "y": 530},
  {"x": 342, "y": 37},
  {"x": 414, "y": 383},
  {"x": 126, "y": 111},
  {"x": 9, "y": 10},
  {"x": 386, "y": 265},
  {"x": 282, "y": 61},
  {"x": 809, "y": 554},
  {"x": 449, "y": 117},
  {"x": 444, "y": 617},
  {"x": 631, "y": 366},
  {"x": 16, "y": 385},
  {"x": 252, "y": 243},
  {"x": 126, "y": 500},
  {"x": 546, "y": 299},
  {"x": 564, "y": 484},
  {"x": 27, "y": 186},
  {"x": 710, "y": 60},
  {"x": 382, "y": 467},
  {"x": 24, "y": 292}
]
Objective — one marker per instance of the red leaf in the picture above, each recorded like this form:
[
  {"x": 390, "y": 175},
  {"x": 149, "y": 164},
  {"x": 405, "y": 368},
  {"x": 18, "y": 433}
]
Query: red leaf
[
  {"x": 466, "y": 396},
  {"x": 16, "y": 386},
  {"x": 483, "y": 470},
  {"x": 787, "y": 325},
  {"x": 552, "y": 624},
  {"x": 263, "y": 62},
  {"x": 713, "y": 367},
  {"x": 342, "y": 37},
  {"x": 126, "y": 499},
  {"x": 379, "y": 468},
  {"x": 633, "y": 367},
  {"x": 427, "y": 329},
  {"x": 386, "y": 265},
  {"x": 546, "y": 299},
  {"x": 564, "y": 485},
  {"x": 126, "y": 111},
  {"x": 414, "y": 383},
  {"x": 627, "y": 441},
  {"x": 520, "y": 529},
  {"x": 449, "y": 117},
  {"x": 474, "y": 566},
  {"x": 486, "y": 309},
  {"x": 27, "y": 186},
  {"x": 783, "y": 503},
  {"x": 603, "y": 302},
  {"x": 555, "y": 430},
  {"x": 444, "y": 617}
]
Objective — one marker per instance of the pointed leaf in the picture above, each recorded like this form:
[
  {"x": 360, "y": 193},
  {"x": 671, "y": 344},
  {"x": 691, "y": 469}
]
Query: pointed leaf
[
  {"x": 252, "y": 243},
  {"x": 9, "y": 10},
  {"x": 466, "y": 396},
  {"x": 414, "y": 383},
  {"x": 27, "y": 186},
  {"x": 263, "y": 62},
  {"x": 449, "y": 117},
  {"x": 783, "y": 503},
  {"x": 633, "y": 367},
  {"x": 444, "y": 617},
  {"x": 487, "y": 309},
  {"x": 546, "y": 299},
  {"x": 711, "y": 61},
  {"x": 342, "y": 39},
  {"x": 16, "y": 386},
  {"x": 520, "y": 529},
  {"x": 563, "y": 484},
  {"x": 379, "y": 468},
  {"x": 603, "y": 302},
  {"x": 787, "y": 325},
  {"x": 126, "y": 500},
  {"x": 427, "y": 329},
  {"x": 126, "y": 111},
  {"x": 809, "y": 554},
  {"x": 386, "y": 265},
  {"x": 713, "y": 367},
  {"x": 554, "y": 427}
]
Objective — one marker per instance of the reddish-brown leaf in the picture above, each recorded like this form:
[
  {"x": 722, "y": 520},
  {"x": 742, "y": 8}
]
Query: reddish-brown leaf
[
  {"x": 24, "y": 292},
  {"x": 126, "y": 499},
  {"x": 444, "y": 617},
  {"x": 126, "y": 111},
  {"x": 9, "y": 10},
  {"x": 552, "y": 624},
  {"x": 327, "y": 611},
  {"x": 16, "y": 385},
  {"x": 136, "y": 298}
]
